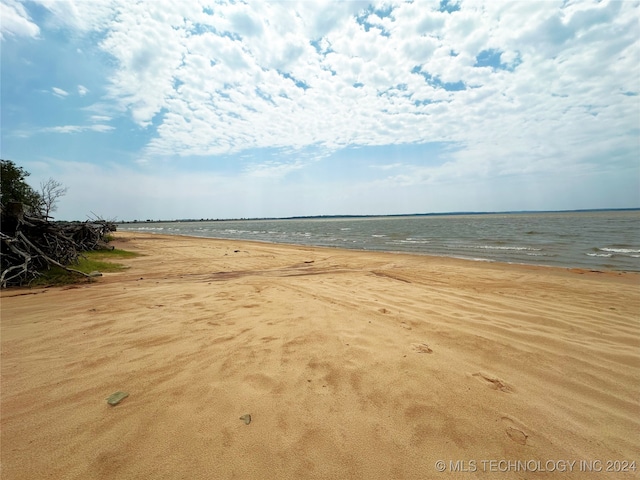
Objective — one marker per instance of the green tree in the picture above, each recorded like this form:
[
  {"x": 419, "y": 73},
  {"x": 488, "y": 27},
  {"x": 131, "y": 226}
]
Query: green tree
[{"x": 14, "y": 188}]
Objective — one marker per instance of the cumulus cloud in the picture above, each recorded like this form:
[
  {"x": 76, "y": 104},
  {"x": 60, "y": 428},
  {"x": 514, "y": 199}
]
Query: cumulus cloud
[
  {"x": 16, "y": 21},
  {"x": 521, "y": 86},
  {"x": 80, "y": 15}
]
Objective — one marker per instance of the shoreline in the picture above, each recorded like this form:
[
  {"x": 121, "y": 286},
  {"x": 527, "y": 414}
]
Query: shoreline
[
  {"x": 435, "y": 257},
  {"x": 351, "y": 363},
  {"x": 534, "y": 239}
]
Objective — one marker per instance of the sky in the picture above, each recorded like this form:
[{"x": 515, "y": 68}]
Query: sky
[{"x": 243, "y": 109}]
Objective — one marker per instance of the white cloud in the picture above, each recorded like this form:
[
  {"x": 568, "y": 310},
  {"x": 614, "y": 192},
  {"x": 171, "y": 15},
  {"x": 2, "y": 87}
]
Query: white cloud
[
  {"x": 81, "y": 15},
  {"x": 16, "y": 21},
  {"x": 99, "y": 118},
  {"x": 58, "y": 92},
  {"x": 77, "y": 128},
  {"x": 82, "y": 90},
  {"x": 216, "y": 79},
  {"x": 148, "y": 50}
]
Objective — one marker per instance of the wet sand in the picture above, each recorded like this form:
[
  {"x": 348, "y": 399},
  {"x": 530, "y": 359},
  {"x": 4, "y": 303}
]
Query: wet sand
[{"x": 352, "y": 365}]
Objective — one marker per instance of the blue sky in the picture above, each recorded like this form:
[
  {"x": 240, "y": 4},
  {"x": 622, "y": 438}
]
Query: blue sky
[{"x": 199, "y": 109}]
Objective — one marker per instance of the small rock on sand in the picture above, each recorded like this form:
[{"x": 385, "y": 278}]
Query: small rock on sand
[{"x": 115, "y": 398}]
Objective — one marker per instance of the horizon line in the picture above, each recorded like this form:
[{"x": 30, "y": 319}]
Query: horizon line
[{"x": 339, "y": 216}]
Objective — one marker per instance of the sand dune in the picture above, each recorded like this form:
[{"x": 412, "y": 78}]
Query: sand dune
[{"x": 351, "y": 364}]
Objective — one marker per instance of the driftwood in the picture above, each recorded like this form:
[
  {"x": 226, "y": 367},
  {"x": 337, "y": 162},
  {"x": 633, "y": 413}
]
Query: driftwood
[{"x": 31, "y": 244}]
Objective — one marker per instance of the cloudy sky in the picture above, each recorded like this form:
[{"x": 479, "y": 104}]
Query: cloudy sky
[{"x": 200, "y": 109}]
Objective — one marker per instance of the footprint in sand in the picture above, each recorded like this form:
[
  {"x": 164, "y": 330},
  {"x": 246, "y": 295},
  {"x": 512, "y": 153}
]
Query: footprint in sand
[
  {"x": 421, "y": 348},
  {"x": 517, "y": 436},
  {"x": 515, "y": 432},
  {"x": 494, "y": 382}
]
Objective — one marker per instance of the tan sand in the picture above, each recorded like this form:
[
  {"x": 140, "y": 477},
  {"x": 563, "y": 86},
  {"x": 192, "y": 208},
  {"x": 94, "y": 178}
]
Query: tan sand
[{"x": 351, "y": 364}]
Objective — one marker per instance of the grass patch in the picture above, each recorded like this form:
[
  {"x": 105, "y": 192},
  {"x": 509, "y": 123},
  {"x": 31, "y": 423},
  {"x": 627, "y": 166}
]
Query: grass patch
[
  {"x": 115, "y": 253},
  {"x": 96, "y": 260}
]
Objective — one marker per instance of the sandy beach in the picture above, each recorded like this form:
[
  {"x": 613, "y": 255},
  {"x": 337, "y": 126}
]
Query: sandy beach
[{"x": 351, "y": 364}]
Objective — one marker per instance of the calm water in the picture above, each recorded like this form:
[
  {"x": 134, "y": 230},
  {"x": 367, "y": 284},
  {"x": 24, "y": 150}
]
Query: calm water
[{"x": 605, "y": 240}]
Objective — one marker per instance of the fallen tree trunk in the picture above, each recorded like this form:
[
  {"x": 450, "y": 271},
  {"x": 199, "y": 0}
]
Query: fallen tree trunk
[{"x": 32, "y": 244}]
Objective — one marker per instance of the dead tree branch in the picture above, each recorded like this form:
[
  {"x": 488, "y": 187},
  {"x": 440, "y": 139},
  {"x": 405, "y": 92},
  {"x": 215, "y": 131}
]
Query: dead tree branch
[{"x": 31, "y": 244}]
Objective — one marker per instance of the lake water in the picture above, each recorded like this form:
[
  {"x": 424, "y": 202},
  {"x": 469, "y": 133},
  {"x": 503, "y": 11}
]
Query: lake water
[{"x": 601, "y": 240}]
